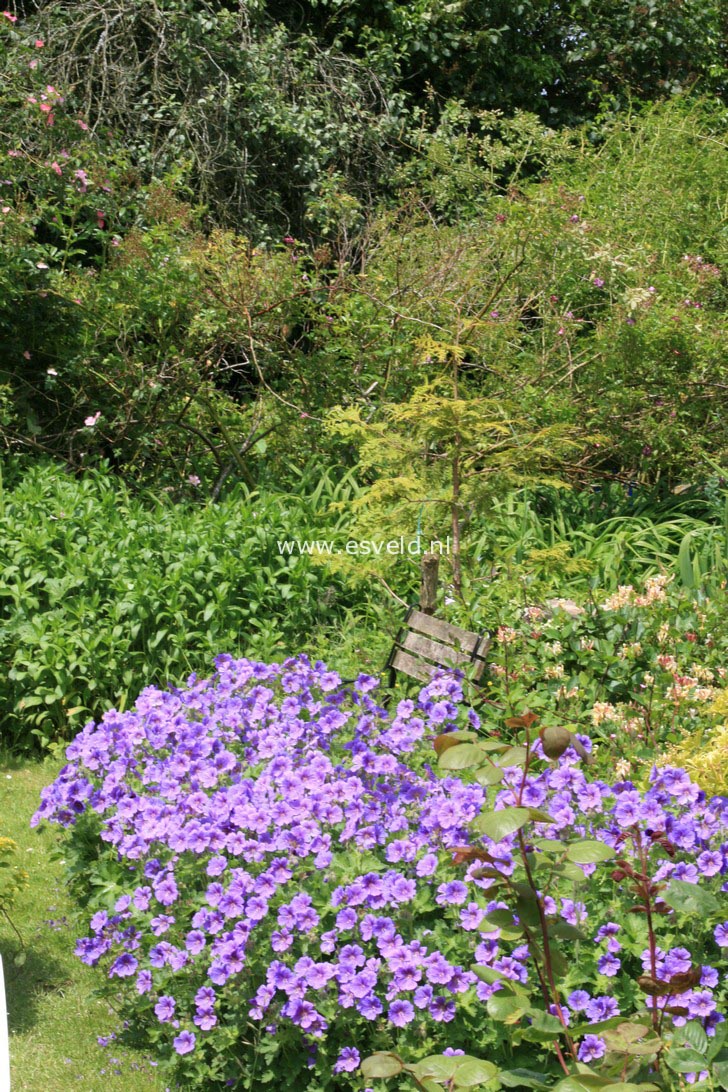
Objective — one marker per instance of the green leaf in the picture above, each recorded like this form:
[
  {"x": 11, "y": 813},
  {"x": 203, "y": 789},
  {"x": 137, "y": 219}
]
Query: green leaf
[
  {"x": 693, "y": 1035},
  {"x": 461, "y": 757},
  {"x": 508, "y": 1010},
  {"x": 589, "y": 852},
  {"x": 381, "y": 1065},
  {"x": 689, "y": 898},
  {"x": 489, "y": 775},
  {"x": 473, "y": 1071},
  {"x": 564, "y": 931},
  {"x": 521, "y": 1078},
  {"x": 498, "y": 825},
  {"x": 582, "y": 1082},
  {"x": 684, "y": 1060},
  {"x": 513, "y": 756},
  {"x": 437, "y": 1066},
  {"x": 544, "y": 1028},
  {"x": 720, "y": 1074}
]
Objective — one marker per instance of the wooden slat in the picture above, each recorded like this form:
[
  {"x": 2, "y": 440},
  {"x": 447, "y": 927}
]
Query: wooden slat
[
  {"x": 443, "y": 655},
  {"x": 408, "y": 665},
  {"x": 443, "y": 631}
]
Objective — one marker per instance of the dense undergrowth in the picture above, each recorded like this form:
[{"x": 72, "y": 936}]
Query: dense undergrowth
[{"x": 103, "y": 591}]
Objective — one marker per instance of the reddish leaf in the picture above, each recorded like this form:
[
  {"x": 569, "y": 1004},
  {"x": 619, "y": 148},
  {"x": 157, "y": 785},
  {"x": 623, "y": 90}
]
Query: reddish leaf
[{"x": 524, "y": 721}]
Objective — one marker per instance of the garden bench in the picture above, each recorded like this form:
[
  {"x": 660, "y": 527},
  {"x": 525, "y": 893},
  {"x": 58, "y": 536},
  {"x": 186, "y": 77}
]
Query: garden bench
[
  {"x": 4, "y": 1043},
  {"x": 425, "y": 643}
]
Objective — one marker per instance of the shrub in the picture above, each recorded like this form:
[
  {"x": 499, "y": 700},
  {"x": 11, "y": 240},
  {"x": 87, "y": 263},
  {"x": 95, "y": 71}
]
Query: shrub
[
  {"x": 638, "y": 670},
  {"x": 279, "y": 883},
  {"x": 101, "y": 591}
]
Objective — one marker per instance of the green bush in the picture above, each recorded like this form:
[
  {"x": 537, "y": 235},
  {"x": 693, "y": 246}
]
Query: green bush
[{"x": 102, "y": 593}]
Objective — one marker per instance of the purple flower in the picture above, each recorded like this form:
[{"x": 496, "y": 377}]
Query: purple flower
[
  {"x": 578, "y": 1000},
  {"x": 400, "y": 1013},
  {"x": 370, "y": 1007},
  {"x": 453, "y": 893},
  {"x": 164, "y": 1008},
  {"x": 591, "y": 1048},
  {"x": 601, "y": 1008},
  {"x": 608, "y": 965},
  {"x": 442, "y": 1010},
  {"x": 144, "y": 982},
  {"x": 347, "y": 1061},
  {"x": 721, "y": 935},
  {"x": 184, "y": 1042},
  {"x": 166, "y": 890},
  {"x": 701, "y": 1003},
  {"x": 124, "y": 966}
]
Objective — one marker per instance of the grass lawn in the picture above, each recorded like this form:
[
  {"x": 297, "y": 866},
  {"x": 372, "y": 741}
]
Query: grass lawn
[{"x": 53, "y": 1016}]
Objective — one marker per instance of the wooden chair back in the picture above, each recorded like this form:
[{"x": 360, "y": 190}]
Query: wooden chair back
[{"x": 425, "y": 643}]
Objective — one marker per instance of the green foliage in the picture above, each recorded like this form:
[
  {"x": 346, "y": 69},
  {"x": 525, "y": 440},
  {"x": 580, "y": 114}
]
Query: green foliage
[
  {"x": 641, "y": 671},
  {"x": 259, "y": 115},
  {"x": 13, "y": 878},
  {"x": 102, "y": 593}
]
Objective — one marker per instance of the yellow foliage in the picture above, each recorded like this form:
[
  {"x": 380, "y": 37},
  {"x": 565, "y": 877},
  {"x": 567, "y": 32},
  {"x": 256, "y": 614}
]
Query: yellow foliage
[{"x": 704, "y": 755}]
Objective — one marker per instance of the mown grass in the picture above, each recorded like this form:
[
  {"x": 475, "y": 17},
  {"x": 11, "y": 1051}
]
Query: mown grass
[{"x": 54, "y": 1018}]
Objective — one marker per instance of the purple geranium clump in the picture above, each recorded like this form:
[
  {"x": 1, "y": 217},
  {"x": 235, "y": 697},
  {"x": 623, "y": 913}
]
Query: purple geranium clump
[{"x": 286, "y": 852}]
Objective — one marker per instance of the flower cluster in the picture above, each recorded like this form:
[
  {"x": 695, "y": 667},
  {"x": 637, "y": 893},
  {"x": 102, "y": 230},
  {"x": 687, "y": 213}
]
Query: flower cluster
[{"x": 279, "y": 851}]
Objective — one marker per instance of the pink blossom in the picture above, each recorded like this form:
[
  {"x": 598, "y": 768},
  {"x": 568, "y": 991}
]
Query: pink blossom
[
  {"x": 26, "y": 354},
  {"x": 57, "y": 168},
  {"x": 39, "y": 43},
  {"x": 7, "y": 15},
  {"x": 82, "y": 177},
  {"x": 81, "y": 124},
  {"x": 89, "y": 422}
]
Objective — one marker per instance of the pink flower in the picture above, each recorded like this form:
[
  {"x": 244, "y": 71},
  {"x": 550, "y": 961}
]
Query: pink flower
[
  {"x": 89, "y": 422},
  {"x": 41, "y": 265},
  {"x": 57, "y": 168},
  {"x": 39, "y": 43},
  {"x": 82, "y": 177},
  {"x": 100, "y": 218},
  {"x": 26, "y": 354},
  {"x": 81, "y": 124},
  {"x": 193, "y": 479},
  {"x": 7, "y": 15}
]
